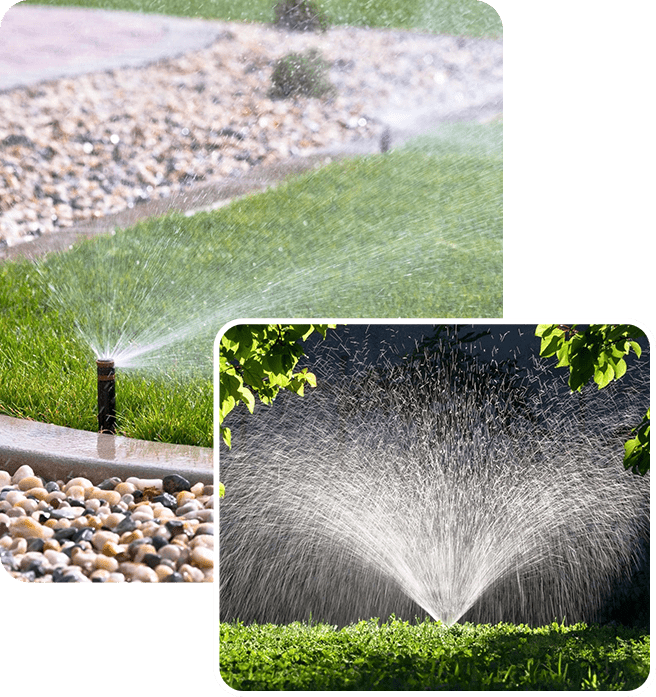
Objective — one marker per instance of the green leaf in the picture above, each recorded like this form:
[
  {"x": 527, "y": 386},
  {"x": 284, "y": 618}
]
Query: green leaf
[
  {"x": 228, "y": 344},
  {"x": 247, "y": 397},
  {"x": 226, "y": 435},
  {"x": 256, "y": 361},
  {"x": 228, "y": 403},
  {"x": 552, "y": 341},
  {"x": 563, "y": 354},
  {"x": 254, "y": 374},
  {"x": 620, "y": 369},
  {"x": 637, "y": 450},
  {"x": 603, "y": 375}
]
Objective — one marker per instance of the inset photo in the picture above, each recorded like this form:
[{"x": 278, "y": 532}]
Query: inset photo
[{"x": 433, "y": 506}]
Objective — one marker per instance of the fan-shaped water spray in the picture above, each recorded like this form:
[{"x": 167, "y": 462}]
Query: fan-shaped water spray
[
  {"x": 453, "y": 493},
  {"x": 156, "y": 295}
]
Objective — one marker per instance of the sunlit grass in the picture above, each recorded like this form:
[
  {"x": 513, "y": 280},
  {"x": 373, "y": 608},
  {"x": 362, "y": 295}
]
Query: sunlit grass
[
  {"x": 398, "y": 655},
  {"x": 466, "y": 17},
  {"x": 47, "y": 374},
  {"x": 413, "y": 233}
]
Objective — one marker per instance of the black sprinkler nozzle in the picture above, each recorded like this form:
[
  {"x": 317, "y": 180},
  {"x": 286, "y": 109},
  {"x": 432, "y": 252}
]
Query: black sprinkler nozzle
[{"x": 106, "y": 396}]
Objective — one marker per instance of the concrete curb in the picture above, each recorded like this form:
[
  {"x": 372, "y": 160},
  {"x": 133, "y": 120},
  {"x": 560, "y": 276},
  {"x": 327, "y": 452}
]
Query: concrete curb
[{"x": 56, "y": 452}]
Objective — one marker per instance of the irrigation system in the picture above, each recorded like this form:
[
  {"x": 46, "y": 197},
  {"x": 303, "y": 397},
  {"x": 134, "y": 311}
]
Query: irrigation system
[{"x": 106, "y": 395}]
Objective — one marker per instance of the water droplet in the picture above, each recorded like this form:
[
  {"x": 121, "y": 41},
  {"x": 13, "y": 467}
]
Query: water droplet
[
  {"x": 362, "y": 121},
  {"x": 88, "y": 148},
  {"x": 114, "y": 139},
  {"x": 184, "y": 132}
]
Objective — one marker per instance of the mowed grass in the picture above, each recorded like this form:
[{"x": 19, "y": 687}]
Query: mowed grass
[
  {"x": 413, "y": 233},
  {"x": 48, "y": 374},
  {"x": 461, "y": 17},
  {"x": 397, "y": 655}
]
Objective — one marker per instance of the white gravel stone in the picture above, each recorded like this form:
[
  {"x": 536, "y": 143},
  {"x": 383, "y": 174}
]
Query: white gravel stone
[
  {"x": 111, "y": 497},
  {"x": 82, "y": 482},
  {"x": 29, "y": 483},
  {"x": 101, "y": 538},
  {"x": 143, "y": 513},
  {"x": 13, "y": 497},
  {"x": 22, "y": 472},
  {"x": 202, "y": 557},
  {"x": 28, "y": 527},
  {"x": 56, "y": 559},
  {"x": 202, "y": 541},
  {"x": 38, "y": 491},
  {"x": 75, "y": 492},
  {"x": 172, "y": 552},
  {"x": 28, "y": 505},
  {"x": 191, "y": 574},
  {"x": 109, "y": 564},
  {"x": 142, "y": 484}
]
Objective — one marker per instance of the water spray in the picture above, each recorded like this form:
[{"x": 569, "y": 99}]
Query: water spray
[
  {"x": 106, "y": 395},
  {"x": 438, "y": 490}
]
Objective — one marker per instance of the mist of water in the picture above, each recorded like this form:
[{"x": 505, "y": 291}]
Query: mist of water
[
  {"x": 438, "y": 493},
  {"x": 157, "y": 297}
]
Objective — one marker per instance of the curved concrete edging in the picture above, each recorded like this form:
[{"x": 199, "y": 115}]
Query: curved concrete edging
[{"x": 56, "y": 452}]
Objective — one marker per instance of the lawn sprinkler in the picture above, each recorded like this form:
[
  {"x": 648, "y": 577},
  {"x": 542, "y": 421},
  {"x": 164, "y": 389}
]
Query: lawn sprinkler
[{"x": 106, "y": 396}]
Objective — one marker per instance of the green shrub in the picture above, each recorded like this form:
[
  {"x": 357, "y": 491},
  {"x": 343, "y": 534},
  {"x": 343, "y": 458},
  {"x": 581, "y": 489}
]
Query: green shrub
[
  {"x": 301, "y": 74},
  {"x": 300, "y": 15}
]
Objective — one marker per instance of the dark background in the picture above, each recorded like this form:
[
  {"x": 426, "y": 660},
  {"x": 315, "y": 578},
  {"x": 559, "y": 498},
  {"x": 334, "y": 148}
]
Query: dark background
[{"x": 578, "y": 216}]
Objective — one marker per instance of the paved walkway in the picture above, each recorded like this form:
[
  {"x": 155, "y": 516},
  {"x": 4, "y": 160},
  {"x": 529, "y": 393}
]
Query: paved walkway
[{"x": 46, "y": 43}]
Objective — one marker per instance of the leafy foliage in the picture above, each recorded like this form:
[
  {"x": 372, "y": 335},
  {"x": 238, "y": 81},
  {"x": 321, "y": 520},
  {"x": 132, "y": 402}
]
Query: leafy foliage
[
  {"x": 636, "y": 450},
  {"x": 598, "y": 352},
  {"x": 300, "y": 74},
  {"x": 397, "y": 655},
  {"x": 260, "y": 360}
]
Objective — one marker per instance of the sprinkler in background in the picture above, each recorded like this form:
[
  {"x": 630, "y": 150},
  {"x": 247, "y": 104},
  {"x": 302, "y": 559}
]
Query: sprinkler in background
[
  {"x": 106, "y": 396},
  {"x": 386, "y": 139}
]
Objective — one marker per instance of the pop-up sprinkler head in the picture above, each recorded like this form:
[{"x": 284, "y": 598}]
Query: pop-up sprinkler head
[{"x": 106, "y": 396}]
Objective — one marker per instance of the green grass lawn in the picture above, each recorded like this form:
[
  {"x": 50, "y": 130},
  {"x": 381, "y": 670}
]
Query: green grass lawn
[
  {"x": 466, "y": 17},
  {"x": 397, "y": 655},
  {"x": 413, "y": 233}
]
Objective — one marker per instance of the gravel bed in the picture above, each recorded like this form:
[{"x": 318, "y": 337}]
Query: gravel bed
[
  {"x": 137, "y": 530},
  {"x": 82, "y": 148}
]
